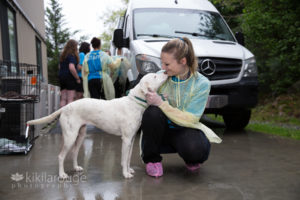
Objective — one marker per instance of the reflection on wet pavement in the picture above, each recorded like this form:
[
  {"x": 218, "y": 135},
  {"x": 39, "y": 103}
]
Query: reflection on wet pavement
[{"x": 245, "y": 166}]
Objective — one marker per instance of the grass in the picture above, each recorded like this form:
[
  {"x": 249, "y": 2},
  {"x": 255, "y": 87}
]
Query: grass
[
  {"x": 278, "y": 116},
  {"x": 274, "y": 129}
]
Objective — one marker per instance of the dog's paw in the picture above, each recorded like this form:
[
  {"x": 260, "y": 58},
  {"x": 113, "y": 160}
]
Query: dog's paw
[
  {"x": 63, "y": 176},
  {"x": 78, "y": 169},
  {"x": 131, "y": 171},
  {"x": 127, "y": 175}
]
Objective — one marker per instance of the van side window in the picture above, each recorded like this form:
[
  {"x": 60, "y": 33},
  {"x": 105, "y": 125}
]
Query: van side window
[
  {"x": 121, "y": 22},
  {"x": 127, "y": 27}
]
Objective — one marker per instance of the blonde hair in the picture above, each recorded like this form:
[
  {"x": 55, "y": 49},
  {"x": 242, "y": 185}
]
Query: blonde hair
[
  {"x": 182, "y": 48},
  {"x": 70, "y": 49}
]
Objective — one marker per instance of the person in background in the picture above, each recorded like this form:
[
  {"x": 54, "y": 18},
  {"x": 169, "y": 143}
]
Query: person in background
[
  {"x": 83, "y": 50},
  {"x": 119, "y": 75},
  {"x": 95, "y": 67},
  {"x": 116, "y": 75},
  {"x": 68, "y": 77},
  {"x": 108, "y": 52},
  {"x": 174, "y": 122}
]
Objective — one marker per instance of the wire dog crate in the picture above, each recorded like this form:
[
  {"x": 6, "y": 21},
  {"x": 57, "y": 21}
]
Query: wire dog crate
[
  {"x": 19, "y": 81},
  {"x": 15, "y": 136},
  {"x": 19, "y": 91}
]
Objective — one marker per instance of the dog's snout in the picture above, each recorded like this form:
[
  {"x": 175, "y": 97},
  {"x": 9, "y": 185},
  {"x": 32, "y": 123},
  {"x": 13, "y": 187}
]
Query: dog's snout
[{"x": 164, "y": 76}]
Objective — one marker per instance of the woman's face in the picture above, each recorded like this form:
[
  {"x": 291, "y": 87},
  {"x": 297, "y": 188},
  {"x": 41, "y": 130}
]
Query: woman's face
[{"x": 170, "y": 64}]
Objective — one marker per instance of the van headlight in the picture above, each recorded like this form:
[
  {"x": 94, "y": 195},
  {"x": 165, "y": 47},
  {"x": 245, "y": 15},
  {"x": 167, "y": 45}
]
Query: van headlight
[
  {"x": 250, "y": 67},
  {"x": 147, "y": 64}
]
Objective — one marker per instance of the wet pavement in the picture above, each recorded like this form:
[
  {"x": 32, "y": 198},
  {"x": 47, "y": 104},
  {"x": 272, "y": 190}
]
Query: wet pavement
[{"x": 246, "y": 166}]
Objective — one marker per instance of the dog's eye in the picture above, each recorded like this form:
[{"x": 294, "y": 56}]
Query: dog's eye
[{"x": 155, "y": 76}]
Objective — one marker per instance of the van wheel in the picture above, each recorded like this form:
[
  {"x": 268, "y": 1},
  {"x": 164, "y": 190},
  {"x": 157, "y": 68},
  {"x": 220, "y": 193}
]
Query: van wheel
[{"x": 237, "y": 121}]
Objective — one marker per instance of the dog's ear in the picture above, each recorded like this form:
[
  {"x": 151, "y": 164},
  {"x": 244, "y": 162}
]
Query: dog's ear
[{"x": 145, "y": 87}]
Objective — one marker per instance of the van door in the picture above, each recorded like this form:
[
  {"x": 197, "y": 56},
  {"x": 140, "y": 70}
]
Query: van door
[{"x": 128, "y": 52}]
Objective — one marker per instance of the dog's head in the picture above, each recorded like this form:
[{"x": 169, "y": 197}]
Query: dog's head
[{"x": 152, "y": 81}]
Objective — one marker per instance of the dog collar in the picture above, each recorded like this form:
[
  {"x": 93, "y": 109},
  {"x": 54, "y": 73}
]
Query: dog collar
[{"x": 142, "y": 100}]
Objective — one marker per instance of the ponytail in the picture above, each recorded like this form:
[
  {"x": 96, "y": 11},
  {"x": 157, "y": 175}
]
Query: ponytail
[{"x": 182, "y": 48}]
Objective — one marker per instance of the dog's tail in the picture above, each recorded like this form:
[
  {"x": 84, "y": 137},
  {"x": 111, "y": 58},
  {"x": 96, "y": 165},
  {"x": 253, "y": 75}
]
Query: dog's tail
[{"x": 46, "y": 119}]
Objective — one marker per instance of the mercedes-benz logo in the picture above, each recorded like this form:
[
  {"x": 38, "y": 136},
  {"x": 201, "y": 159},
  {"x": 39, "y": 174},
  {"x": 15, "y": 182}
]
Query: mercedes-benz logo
[{"x": 208, "y": 67}]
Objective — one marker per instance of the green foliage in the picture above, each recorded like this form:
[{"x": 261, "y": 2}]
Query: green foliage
[
  {"x": 272, "y": 30},
  {"x": 82, "y": 38},
  {"x": 106, "y": 38},
  {"x": 232, "y": 11},
  {"x": 56, "y": 37},
  {"x": 110, "y": 21},
  {"x": 274, "y": 129}
]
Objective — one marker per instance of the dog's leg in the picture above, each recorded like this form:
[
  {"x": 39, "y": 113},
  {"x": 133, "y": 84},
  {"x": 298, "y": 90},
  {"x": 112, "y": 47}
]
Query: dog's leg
[
  {"x": 129, "y": 156},
  {"x": 124, "y": 157},
  {"x": 69, "y": 138},
  {"x": 76, "y": 147}
]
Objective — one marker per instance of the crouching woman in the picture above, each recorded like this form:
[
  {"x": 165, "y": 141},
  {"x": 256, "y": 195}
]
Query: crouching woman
[{"x": 174, "y": 122}]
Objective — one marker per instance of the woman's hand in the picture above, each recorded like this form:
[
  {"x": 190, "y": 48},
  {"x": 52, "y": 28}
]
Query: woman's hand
[
  {"x": 74, "y": 72},
  {"x": 153, "y": 98},
  {"x": 79, "y": 67}
]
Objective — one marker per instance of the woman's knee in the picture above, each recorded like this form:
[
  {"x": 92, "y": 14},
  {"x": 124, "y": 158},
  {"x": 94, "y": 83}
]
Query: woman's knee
[
  {"x": 153, "y": 118},
  {"x": 153, "y": 112},
  {"x": 195, "y": 154}
]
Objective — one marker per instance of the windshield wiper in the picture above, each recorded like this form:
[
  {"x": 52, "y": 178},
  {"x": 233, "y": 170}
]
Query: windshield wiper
[
  {"x": 157, "y": 35},
  {"x": 201, "y": 35}
]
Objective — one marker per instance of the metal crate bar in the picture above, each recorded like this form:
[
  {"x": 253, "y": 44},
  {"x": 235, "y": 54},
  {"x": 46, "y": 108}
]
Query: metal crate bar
[
  {"x": 15, "y": 135},
  {"x": 19, "y": 81}
]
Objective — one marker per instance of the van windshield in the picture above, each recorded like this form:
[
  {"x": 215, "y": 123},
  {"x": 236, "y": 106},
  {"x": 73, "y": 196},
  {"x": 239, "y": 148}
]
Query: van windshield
[{"x": 178, "y": 23}]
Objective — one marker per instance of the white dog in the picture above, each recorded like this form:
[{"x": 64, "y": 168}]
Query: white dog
[{"x": 120, "y": 116}]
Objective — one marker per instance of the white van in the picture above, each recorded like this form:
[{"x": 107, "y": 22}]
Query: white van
[{"x": 231, "y": 68}]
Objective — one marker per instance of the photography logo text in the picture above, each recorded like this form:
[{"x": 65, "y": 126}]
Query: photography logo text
[
  {"x": 17, "y": 177},
  {"x": 43, "y": 180}
]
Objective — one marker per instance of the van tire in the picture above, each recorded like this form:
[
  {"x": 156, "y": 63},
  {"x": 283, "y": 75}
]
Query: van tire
[{"x": 237, "y": 121}]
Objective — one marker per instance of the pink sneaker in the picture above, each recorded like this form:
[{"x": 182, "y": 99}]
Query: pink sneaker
[
  {"x": 193, "y": 167},
  {"x": 154, "y": 169}
]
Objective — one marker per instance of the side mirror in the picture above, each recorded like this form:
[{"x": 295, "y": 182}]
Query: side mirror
[
  {"x": 118, "y": 38},
  {"x": 240, "y": 38}
]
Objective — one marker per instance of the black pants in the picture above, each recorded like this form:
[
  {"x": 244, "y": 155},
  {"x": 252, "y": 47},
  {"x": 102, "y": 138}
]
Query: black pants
[
  {"x": 118, "y": 89},
  {"x": 95, "y": 88},
  {"x": 191, "y": 144}
]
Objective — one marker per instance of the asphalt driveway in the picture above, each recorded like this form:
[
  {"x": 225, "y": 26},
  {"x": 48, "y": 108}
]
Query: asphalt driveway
[{"x": 246, "y": 166}]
